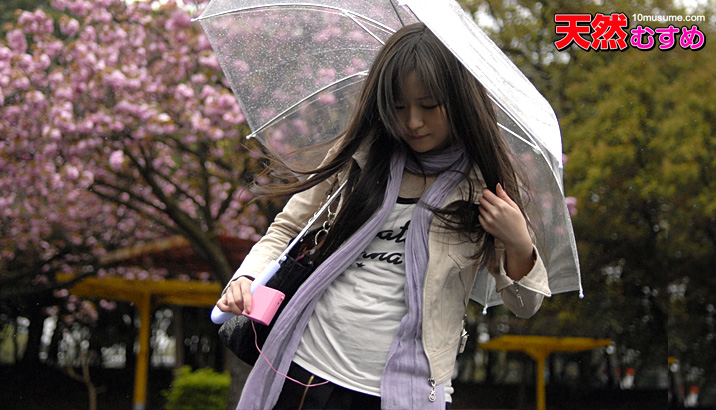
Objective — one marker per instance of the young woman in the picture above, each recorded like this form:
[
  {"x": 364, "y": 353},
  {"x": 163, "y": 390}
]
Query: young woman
[{"x": 432, "y": 196}]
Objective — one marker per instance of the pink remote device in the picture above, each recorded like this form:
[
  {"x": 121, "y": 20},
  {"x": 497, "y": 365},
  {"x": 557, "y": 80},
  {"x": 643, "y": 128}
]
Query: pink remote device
[{"x": 265, "y": 303}]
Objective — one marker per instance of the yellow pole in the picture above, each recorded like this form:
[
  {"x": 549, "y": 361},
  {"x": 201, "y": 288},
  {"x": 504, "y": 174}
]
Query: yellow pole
[
  {"x": 541, "y": 395},
  {"x": 539, "y": 356},
  {"x": 142, "y": 369}
]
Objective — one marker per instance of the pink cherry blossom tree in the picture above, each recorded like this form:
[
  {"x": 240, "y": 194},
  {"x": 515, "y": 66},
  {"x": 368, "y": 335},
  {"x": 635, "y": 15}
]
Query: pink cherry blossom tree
[{"x": 117, "y": 127}]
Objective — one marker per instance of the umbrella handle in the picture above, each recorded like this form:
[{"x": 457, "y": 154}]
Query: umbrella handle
[{"x": 218, "y": 316}]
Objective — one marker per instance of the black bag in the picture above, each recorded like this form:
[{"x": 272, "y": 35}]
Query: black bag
[{"x": 237, "y": 333}]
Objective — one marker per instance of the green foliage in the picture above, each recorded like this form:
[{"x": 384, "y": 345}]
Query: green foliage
[
  {"x": 203, "y": 389},
  {"x": 8, "y": 8},
  {"x": 638, "y": 130},
  {"x": 641, "y": 163}
]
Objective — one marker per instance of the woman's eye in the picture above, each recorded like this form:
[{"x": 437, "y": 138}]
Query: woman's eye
[{"x": 431, "y": 106}]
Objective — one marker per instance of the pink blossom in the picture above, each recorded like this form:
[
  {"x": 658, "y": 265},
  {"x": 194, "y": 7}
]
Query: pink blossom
[
  {"x": 216, "y": 134},
  {"x": 72, "y": 172},
  {"x": 22, "y": 83},
  {"x": 56, "y": 78},
  {"x": 199, "y": 123},
  {"x": 43, "y": 62},
  {"x": 26, "y": 62},
  {"x": 241, "y": 66},
  {"x": 184, "y": 91},
  {"x": 327, "y": 33},
  {"x": 196, "y": 78},
  {"x": 327, "y": 98},
  {"x": 54, "y": 134},
  {"x": 101, "y": 16},
  {"x": 16, "y": 40},
  {"x": 233, "y": 117},
  {"x": 139, "y": 134},
  {"x": 571, "y": 205},
  {"x": 60, "y": 5},
  {"x": 79, "y": 7},
  {"x": 85, "y": 126},
  {"x": 227, "y": 102},
  {"x": 357, "y": 35},
  {"x": 209, "y": 61},
  {"x": 52, "y": 48},
  {"x": 178, "y": 20},
  {"x": 64, "y": 93},
  {"x": 326, "y": 75},
  {"x": 52, "y": 310},
  {"x": 70, "y": 27},
  {"x": 5, "y": 55},
  {"x": 116, "y": 80},
  {"x": 47, "y": 25},
  {"x": 61, "y": 293},
  {"x": 359, "y": 64},
  {"x": 27, "y": 20},
  {"x": 107, "y": 305}
]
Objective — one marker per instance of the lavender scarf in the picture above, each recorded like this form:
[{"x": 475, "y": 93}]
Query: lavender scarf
[{"x": 405, "y": 383}]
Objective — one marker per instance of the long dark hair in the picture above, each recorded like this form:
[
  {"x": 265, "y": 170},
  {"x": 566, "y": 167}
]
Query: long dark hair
[{"x": 375, "y": 124}]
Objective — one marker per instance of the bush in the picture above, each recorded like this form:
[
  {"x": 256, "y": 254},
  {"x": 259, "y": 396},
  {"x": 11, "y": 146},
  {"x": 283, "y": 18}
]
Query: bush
[{"x": 203, "y": 389}]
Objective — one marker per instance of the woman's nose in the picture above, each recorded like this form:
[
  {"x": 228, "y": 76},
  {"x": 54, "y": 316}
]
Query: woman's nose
[{"x": 415, "y": 119}]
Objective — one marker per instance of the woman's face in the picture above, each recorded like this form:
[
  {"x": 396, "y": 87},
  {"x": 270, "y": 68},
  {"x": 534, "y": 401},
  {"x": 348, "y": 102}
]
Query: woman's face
[{"x": 423, "y": 117}]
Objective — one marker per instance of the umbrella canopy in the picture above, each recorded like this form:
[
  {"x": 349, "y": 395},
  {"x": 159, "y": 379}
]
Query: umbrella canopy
[{"x": 297, "y": 68}]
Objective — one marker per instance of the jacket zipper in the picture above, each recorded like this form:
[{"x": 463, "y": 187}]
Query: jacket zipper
[
  {"x": 432, "y": 396},
  {"x": 517, "y": 291}
]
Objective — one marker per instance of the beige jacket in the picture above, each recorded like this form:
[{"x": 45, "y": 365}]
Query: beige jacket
[{"x": 448, "y": 281}]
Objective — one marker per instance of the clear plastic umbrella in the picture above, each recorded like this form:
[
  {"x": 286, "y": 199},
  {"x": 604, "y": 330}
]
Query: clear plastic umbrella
[{"x": 297, "y": 67}]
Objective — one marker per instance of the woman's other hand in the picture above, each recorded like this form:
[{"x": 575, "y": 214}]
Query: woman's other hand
[{"x": 501, "y": 217}]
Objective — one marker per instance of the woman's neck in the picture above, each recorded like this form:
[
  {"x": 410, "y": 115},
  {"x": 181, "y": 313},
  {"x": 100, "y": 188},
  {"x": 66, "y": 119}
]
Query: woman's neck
[{"x": 414, "y": 185}]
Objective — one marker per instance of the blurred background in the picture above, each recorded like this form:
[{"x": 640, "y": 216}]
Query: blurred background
[{"x": 124, "y": 208}]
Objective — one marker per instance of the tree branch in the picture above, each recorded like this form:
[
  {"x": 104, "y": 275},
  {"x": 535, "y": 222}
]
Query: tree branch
[{"x": 135, "y": 208}]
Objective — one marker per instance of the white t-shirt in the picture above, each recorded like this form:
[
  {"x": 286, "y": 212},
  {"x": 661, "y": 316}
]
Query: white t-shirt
[{"x": 350, "y": 332}]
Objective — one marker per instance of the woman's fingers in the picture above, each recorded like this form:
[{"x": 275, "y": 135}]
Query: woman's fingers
[
  {"x": 222, "y": 303},
  {"x": 245, "y": 286},
  {"x": 500, "y": 199},
  {"x": 237, "y": 298},
  {"x": 501, "y": 217},
  {"x": 502, "y": 194},
  {"x": 494, "y": 208}
]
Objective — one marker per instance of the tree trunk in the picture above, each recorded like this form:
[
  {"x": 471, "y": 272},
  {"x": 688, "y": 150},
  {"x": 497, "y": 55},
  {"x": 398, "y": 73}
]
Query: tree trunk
[
  {"x": 178, "y": 332},
  {"x": 30, "y": 360}
]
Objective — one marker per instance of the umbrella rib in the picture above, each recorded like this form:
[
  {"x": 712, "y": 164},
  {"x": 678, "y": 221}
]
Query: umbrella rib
[
  {"x": 537, "y": 145},
  {"x": 297, "y": 103},
  {"x": 514, "y": 134},
  {"x": 402, "y": 23},
  {"x": 350, "y": 15},
  {"x": 532, "y": 145},
  {"x": 514, "y": 120},
  {"x": 296, "y": 5}
]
